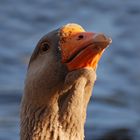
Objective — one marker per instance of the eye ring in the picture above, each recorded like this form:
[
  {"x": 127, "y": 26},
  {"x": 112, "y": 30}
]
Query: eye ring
[{"x": 44, "y": 47}]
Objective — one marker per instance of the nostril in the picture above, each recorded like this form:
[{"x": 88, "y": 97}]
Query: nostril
[{"x": 80, "y": 37}]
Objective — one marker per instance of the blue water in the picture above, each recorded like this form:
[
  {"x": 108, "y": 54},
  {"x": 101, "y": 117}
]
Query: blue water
[{"x": 115, "y": 105}]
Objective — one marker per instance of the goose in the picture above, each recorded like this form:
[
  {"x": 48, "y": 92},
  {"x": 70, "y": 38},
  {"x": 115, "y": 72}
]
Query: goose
[{"x": 59, "y": 82}]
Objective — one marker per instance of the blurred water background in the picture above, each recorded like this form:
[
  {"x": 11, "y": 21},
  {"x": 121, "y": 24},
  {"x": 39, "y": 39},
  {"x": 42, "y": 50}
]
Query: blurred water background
[{"x": 114, "y": 109}]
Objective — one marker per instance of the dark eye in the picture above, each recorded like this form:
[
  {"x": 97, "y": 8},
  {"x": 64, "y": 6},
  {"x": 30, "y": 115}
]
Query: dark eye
[{"x": 44, "y": 47}]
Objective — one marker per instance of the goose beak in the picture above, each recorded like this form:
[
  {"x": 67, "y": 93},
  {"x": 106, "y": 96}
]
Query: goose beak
[{"x": 83, "y": 49}]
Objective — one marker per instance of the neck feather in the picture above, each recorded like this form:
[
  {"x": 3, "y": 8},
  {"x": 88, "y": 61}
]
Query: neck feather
[{"x": 60, "y": 118}]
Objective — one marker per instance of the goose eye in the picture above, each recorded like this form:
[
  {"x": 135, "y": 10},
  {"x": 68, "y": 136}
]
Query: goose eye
[{"x": 44, "y": 47}]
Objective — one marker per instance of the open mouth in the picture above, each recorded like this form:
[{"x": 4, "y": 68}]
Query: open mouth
[
  {"x": 97, "y": 47},
  {"x": 77, "y": 53}
]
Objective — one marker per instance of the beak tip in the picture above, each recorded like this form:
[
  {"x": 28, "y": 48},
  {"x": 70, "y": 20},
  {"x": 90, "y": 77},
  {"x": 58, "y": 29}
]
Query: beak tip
[{"x": 110, "y": 40}]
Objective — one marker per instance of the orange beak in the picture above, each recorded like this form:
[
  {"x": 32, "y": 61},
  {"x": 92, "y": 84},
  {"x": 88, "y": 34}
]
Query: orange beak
[{"x": 82, "y": 49}]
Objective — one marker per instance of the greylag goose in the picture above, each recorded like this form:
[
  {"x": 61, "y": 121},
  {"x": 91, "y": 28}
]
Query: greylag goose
[{"x": 60, "y": 77}]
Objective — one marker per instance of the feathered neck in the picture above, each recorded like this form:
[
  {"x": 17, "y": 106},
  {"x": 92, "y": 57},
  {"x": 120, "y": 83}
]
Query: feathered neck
[{"x": 61, "y": 114}]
